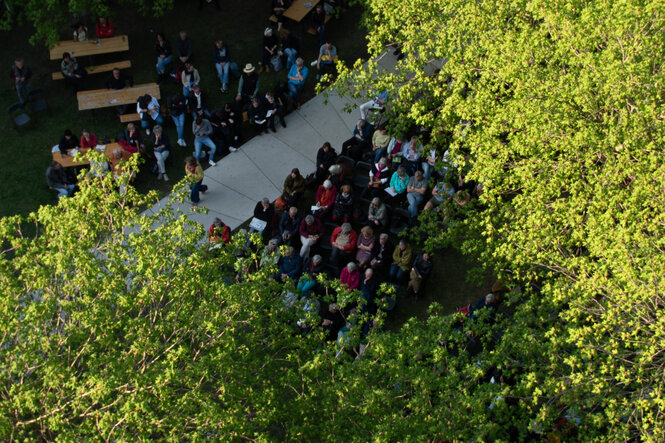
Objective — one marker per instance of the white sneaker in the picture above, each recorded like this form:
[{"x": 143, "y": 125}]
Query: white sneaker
[
  {"x": 314, "y": 63},
  {"x": 147, "y": 132},
  {"x": 166, "y": 178},
  {"x": 232, "y": 149},
  {"x": 182, "y": 143},
  {"x": 212, "y": 163}
]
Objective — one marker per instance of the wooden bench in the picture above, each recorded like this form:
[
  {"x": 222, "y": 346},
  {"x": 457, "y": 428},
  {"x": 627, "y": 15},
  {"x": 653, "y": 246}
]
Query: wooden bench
[
  {"x": 67, "y": 161},
  {"x": 312, "y": 31},
  {"x": 119, "y": 43},
  {"x": 98, "y": 69},
  {"x": 126, "y": 118},
  {"x": 297, "y": 11},
  {"x": 106, "y": 98}
]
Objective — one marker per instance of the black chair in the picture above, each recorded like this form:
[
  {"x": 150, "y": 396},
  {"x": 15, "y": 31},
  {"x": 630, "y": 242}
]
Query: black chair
[
  {"x": 20, "y": 119},
  {"x": 37, "y": 104},
  {"x": 361, "y": 175},
  {"x": 399, "y": 220},
  {"x": 346, "y": 160}
]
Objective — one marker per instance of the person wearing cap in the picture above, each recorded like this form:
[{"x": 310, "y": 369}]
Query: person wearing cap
[
  {"x": 294, "y": 186},
  {"x": 248, "y": 85},
  {"x": 297, "y": 76},
  {"x": 269, "y": 49}
]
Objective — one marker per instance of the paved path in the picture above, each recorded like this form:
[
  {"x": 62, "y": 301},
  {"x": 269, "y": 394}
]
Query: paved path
[{"x": 259, "y": 167}]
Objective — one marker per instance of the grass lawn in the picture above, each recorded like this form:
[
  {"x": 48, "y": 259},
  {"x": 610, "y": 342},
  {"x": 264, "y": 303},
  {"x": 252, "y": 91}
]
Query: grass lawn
[{"x": 240, "y": 24}]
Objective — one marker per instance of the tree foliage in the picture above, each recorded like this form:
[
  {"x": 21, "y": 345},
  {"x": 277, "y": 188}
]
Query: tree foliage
[
  {"x": 49, "y": 18},
  {"x": 556, "y": 108}
]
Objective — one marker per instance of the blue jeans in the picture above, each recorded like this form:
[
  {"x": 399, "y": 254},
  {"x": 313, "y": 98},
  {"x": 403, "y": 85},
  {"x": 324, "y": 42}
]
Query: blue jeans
[
  {"x": 414, "y": 200},
  {"x": 22, "y": 90},
  {"x": 198, "y": 144},
  {"x": 206, "y": 113},
  {"x": 179, "y": 122},
  {"x": 162, "y": 62},
  {"x": 294, "y": 90},
  {"x": 223, "y": 72},
  {"x": 290, "y": 57},
  {"x": 396, "y": 273},
  {"x": 65, "y": 192},
  {"x": 146, "y": 122},
  {"x": 428, "y": 169},
  {"x": 185, "y": 88},
  {"x": 381, "y": 152},
  {"x": 196, "y": 188}
]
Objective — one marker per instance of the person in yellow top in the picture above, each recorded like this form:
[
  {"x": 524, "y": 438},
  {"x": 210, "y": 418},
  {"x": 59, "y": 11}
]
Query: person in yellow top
[
  {"x": 194, "y": 173},
  {"x": 401, "y": 261},
  {"x": 380, "y": 141}
]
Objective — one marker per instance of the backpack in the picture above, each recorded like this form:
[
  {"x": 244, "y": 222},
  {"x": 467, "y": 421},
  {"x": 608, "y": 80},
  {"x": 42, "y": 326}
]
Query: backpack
[{"x": 176, "y": 74}]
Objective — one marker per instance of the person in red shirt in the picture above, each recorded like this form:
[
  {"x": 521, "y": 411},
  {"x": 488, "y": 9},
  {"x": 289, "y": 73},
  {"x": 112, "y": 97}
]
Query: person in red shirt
[
  {"x": 219, "y": 232},
  {"x": 104, "y": 28},
  {"x": 88, "y": 139}
]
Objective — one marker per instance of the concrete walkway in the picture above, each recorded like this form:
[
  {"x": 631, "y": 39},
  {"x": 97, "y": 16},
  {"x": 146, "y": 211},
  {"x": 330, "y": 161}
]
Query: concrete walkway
[{"x": 259, "y": 167}]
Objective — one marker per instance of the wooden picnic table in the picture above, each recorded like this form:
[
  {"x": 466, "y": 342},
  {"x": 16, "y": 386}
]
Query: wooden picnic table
[
  {"x": 106, "y": 98},
  {"x": 67, "y": 160},
  {"x": 118, "y": 43},
  {"x": 297, "y": 11}
]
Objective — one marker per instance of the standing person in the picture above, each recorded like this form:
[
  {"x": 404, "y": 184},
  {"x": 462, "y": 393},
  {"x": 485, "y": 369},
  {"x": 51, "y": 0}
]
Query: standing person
[
  {"x": 21, "y": 74},
  {"x": 325, "y": 158},
  {"x": 164, "y": 55},
  {"x": 194, "y": 173},
  {"x": 269, "y": 49},
  {"x": 202, "y": 129},
  {"x": 72, "y": 72},
  {"x": 222, "y": 58},
  {"x": 248, "y": 86},
  {"x": 291, "y": 45},
  {"x": 178, "y": 110},
  {"x": 161, "y": 149},
  {"x": 318, "y": 18},
  {"x": 147, "y": 107},
  {"x": 104, "y": 28},
  {"x": 325, "y": 64},
  {"x": 189, "y": 78},
  {"x": 297, "y": 76},
  {"x": 57, "y": 180},
  {"x": 184, "y": 47}
]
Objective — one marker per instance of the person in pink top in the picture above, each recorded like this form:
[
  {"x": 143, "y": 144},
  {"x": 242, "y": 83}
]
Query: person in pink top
[{"x": 350, "y": 276}]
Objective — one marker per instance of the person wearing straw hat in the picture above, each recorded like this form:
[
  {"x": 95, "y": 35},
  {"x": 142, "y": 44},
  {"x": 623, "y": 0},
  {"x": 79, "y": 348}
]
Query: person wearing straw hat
[{"x": 248, "y": 86}]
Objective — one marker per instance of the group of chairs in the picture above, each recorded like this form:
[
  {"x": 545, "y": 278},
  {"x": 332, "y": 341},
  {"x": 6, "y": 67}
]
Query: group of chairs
[{"x": 35, "y": 103}]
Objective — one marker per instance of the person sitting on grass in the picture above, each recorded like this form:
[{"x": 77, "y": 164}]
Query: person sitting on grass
[
  {"x": 422, "y": 267},
  {"x": 57, "y": 180},
  {"x": 221, "y": 56},
  {"x": 297, "y": 76},
  {"x": 147, "y": 107},
  {"x": 325, "y": 64},
  {"x": 161, "y": 148},
  {"x": 202, "y": 129},
  {"x": 401, "y": 262},
  {"x": 194, "y": 174},
  {"x": 257, "y": 115}
]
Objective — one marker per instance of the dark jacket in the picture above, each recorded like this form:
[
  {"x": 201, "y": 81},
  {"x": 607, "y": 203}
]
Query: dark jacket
[
  {"x": 264, "y": 214},
  {"x": 222, "y": 55},
  {"x": 290, "y": 266},
  {"x": 119, "y": 83},
  {"x": 422, "y": 267},
  {"x": 163, "y": 50},
  {"x": 193, "y": 102},
  {"x": 343, "y": 206},
  {"x": 308, "y": 267},
  {"x": 256, "y": 114},
  {"x": 66, "y": 145},
  {"x": 176, "y": 104},
  {"x": 326, "y": 158},
  {"x": 183, "y": 47},
  {"x": 163, "y": 141},
  {"x": 288, "y": 224},
  {"x": 56, "y": 179}
]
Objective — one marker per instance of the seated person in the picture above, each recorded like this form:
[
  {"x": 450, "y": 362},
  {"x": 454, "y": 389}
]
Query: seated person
[
  {"x": 177, "y": 106},
  {"x": 332, "y": 322},
  {"x": 422, "y": 267},
  {"x": 183, "y": 48},
  {"x": 394, "y": 152},
  {"x": 189, "y": 78},
  {"x": 202, "y": 129},
  {"x": 343, "y": 241},
  {"x": 104, "y": 28},
  {"x": 350, "y": 276},
  {"x": 325, "y": 158},
  {"x": 325, "y": 64},
  {"x": 147, "y": 107},
  {"x": 359, "y": 141},
  {"x": 132, "y": 136},
  {"x": 161, "y": 148},
  {"x": 398, "y": 183},
  {"x": 289, "y": 265},
  {"x": 67, "y": 142},
  {"x": 378, "y": 178},
  {"x": 264, "y": 211},
  {"x": 294, "y": 186},
  {"x": 312, "y": 266},
  {"x": 219, "y": 232},
  {"x": 278, "y": 8},
  {"x": 257, "y": 115},
  {"x": 376, "y": 214},
  {"x": 221, "y": 56},
  {"x": 80, "y": 32},
  {"x": 72, "y": 72},
  {"x": 441, "y": 192},
  {"x": 380, "y": 142},
  {"x": 429, "y": 163},
  {"x": 289, "y": 225},
  {"x": 56, "y": 179},
  {"x": 487, "y": 302},
  {"x": 117, "y": 80},
  {"x": 415, "y": 193},
  {"x": 383, "y": 254},
  {"x": 311, "y": 231},
  {"x": 376, "y": 103},
  {"x": 325, "y": 198},
  {"x": 273, "y": 108},
  {"x": 401, "y": 262},
  {"x": 117, "y": 163},
  {"x": 365, "y": 245},
  {"x": 411, "y": 154},
  {"x": 297, "y": 76},
  {"x": 271, "y": 255},
  {"x": 198, "y": 102},
  {"x": 343, "y": 206},
  {"x": 88, "y": 140}
]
